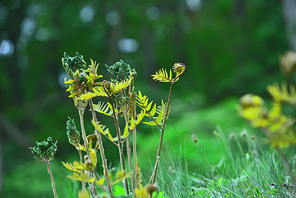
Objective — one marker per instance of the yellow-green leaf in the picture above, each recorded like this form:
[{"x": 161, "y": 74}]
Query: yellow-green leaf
[
  {"x": 152, "y": 112},
  {"x": 140, "y": 117},
  {"x": 83, "y": 194},
  {"x": 149, "y": 106},
  {"x": 132, "y": 124},
  {"x": 159, "y": 118},
  {"x": 151, "y": 123},
  {"x": 93, "y": 157},
  {"x": 100, "y": 182},
  {"x": 70, "y": 167},
  {"x": 88, "y": 95},
  {"x": 81, "y": 177},
  {"x": 125, "y": 133}
]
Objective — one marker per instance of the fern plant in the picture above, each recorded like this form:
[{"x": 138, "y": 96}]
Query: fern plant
[
  {"x": 278, "y": 128},
  {"x": 123, "y": 103}
]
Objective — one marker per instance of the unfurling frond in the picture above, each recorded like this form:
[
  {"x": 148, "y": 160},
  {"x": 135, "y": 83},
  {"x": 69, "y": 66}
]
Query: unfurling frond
[
  {"x": 250, "y": 100},
  {"x": 72, "y": 64},
  {"x": 45, "y": 150},
  {"x": 103, "y": 108},
  {"x": 72, "y": 133},
  {"x": 120, "y": 70},
  {"x": 179, "y": 69},
  {"x": 162, "y": 76},
  {"x": 282, "y": 94}
]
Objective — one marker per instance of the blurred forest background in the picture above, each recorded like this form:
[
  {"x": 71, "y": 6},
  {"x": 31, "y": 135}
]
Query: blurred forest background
[{"x": 230, "y": 48}]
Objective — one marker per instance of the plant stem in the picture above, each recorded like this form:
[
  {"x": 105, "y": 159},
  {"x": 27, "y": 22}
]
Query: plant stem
[
  {"x": 287, "y": 167},
  {"x": 120, "y": 147},
  {"x": 81, "y": 112},
  {"x": 161, "y": 138},
  {"x": 102, "y": 152},
  {"x": 128, "y": 149},
  {"x": 135, "y": 158},
  {"x": 51, "y": 178}
]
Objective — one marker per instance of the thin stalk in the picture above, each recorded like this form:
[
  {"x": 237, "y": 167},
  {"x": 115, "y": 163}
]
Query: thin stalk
[
  {"x": 81, "y": 113},
  {"x": 128, "y": 150},
  {"x": 120, "y": 147},
  {"x": 162, "y": 134},
  {"x": 102, "y": 152},
  {"x": 130, "y": 166},
  {"x": 51, "y": 178},
  {"x": 135, "y": 158},
  {"x": 80, "y": 157},
  {"x": 287, "y": 167}
]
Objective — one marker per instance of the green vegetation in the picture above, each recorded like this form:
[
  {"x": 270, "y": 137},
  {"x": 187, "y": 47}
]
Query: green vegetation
[
  {"x": 245, "y": 168},
  {"x": 230, "y": 48},
  {"x": 83, "y": 87}
]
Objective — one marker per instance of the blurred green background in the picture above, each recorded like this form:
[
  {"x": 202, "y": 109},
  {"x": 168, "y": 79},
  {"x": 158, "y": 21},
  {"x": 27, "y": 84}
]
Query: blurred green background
[{"x": 230, "y": 48}]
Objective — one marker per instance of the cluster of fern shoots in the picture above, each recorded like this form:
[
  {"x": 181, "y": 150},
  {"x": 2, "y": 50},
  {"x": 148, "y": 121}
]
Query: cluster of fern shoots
[{"x": 121, "y": 102}]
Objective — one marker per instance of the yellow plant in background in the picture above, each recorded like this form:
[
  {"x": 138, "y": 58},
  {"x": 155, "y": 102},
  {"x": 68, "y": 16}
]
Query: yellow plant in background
[{"x": 278, "y": 128}]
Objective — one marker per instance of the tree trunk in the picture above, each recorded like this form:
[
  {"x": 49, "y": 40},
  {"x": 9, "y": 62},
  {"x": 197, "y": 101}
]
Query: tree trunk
[{"x": 289, "y": 11}]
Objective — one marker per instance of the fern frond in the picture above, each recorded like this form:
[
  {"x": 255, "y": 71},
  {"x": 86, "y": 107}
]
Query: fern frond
[
  {"x": 179, "y": 69},
  {"x": 162, "y": 76},
  {"x": 102, "y": 129},
  {"x": 282, "y": 94},
  {"x": 72, "y": 133},
  {"x": 121, "y": 85},
  {"x": 103, "y": 108},
  {"x": 83, "y": 177},
  {"x": 71, "y": 167}
]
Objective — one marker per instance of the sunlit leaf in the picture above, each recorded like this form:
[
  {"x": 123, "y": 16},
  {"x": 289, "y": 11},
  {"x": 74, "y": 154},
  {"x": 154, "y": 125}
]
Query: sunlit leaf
[
  {"x": 125, "y": 133},
  {"x": 152, "y": 112},
  {"x": 81, "y": 177},
  {"x": 132, "y": 127},
  {"x": 100, "y": 181},
  {"x": 159, "y": 118},
  {"x": 162, "y": 76},
  {"x": 151, "y": 123},
  {"x": 83, "y": 194},
  {"x": 70, "y": 167}
]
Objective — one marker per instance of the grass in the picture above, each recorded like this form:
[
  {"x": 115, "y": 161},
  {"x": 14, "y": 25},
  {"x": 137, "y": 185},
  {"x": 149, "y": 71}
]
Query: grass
[
  {"x": 245, "y": 172},
  {"x": 215, "y": 167}
]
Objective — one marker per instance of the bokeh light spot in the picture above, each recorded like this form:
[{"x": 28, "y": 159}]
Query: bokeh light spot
[
  {"x": 152, "y": 13},
  {"x": 6, "y": 48},
  {"x": 127, "y": 45},
  {"x": 42, "y": 34},
  {"x": 194, "y": 5},
  {"x": 62, "y": 77},
  {"x": 112, "y": 18},
  {"x": 87, "y": 14}
]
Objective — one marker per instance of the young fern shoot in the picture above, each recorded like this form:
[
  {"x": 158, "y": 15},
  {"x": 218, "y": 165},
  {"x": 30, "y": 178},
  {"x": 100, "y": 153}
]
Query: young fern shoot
[
  {"x": 122, "y": 104},
  {"x": 44, "y": 152}
]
